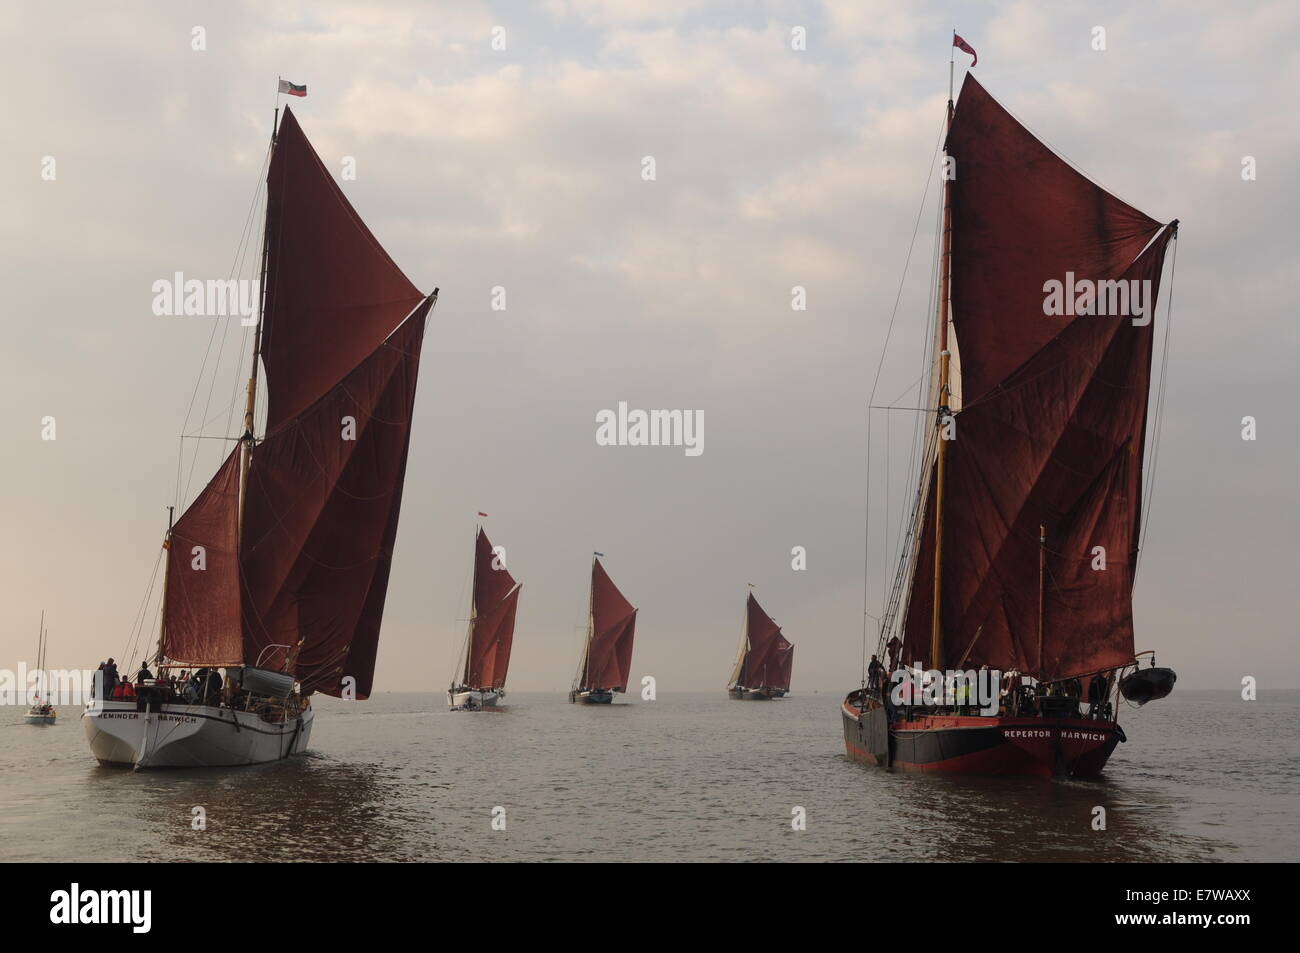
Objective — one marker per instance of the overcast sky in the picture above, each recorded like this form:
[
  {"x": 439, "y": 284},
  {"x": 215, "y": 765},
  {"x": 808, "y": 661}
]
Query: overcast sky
[{"x": 521, "y": 168}]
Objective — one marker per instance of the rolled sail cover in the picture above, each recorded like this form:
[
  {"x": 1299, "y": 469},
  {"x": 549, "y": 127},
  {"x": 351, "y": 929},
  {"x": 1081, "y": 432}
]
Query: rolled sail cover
[{"x": 1054, "y": 413}]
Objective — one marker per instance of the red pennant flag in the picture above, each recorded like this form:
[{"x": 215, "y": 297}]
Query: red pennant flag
[
  {"x": 481, "y": 513},
  {"x": 963, "y": 45}
]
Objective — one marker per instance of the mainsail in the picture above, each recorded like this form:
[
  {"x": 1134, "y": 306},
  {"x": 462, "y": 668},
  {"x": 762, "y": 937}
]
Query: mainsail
[
  {"x": 317, "y": 518},
  {"x": 492, "y": 619},
  {"x": 607, "y": 662},
  {"x": 1054, "y": 410},
  {"x": 768, "y": 657}
]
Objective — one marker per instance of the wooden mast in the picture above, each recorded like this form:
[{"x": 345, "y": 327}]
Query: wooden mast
[
  {"x": 162, "y": 609},
  {"x": 246, "y": 451},
  {"x": 936, "y": 633},
  {"x": 473, "y": 613},
  {"x": 591, "y": 630},
  {"x": 40, "y": 659},
  {"x": 1042, "y": 584}
]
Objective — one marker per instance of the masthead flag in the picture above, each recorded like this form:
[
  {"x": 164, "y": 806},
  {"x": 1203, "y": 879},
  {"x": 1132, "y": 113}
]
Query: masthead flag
[
  {"x": 292, "y": 90},
  {"x": 963, "y": 45}
]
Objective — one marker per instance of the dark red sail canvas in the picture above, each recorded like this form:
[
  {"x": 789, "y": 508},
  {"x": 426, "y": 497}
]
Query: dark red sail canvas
[
  {"x": 322, "y": 501},
  {"x": 1052, "y": 428},
  {"x": 201, "y": 622},
  {"x": 761, "y": 634},
  {"x": 1021, "y": 215},
  {"x": 780, "y": 665},
  {"x": 332, "y": 293},
  {"x": 613, "y": 625},
  {"x": 496, "y": 596}
]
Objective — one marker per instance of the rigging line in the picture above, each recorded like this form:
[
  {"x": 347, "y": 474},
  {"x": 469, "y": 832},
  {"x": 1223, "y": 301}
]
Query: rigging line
[
  {"x": 134, "y": 636},
  {"x": 225, "y": 325},
  {"x": 919, "y": 458},
  {"x": 884, "y": 350},
  {"x": 1159, "y": 414},
  {"x": 138, "y": 617}
]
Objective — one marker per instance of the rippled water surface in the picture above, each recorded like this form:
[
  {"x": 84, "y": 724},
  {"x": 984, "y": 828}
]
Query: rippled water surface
[{"x": 1205, "y": 776}]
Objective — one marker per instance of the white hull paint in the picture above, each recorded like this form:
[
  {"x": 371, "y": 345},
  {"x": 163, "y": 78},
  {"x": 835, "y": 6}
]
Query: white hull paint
[
  {"x": 472, "y": 700},
  {"x": 190, "y": 736}
]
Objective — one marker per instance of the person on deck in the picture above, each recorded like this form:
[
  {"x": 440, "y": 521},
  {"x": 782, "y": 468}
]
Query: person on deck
[
  {"x": 110, "y": 678},
  {"x": 875, "y": 673},
  {"x": 891, "y": 652},
  {"x": 144, "y": 673}
]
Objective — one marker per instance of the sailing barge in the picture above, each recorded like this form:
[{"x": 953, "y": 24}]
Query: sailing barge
[
  {"x": 277, "y": 573},
  {"x": 481, "y": 677},
  {"x": 765, "y": 659},
  {"x": 1022, "y": 548},
  {"x": 606, "y": 662}
]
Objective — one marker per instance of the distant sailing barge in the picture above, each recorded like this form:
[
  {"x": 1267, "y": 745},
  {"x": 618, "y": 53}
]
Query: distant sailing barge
[
  {"x": 481, "y": 678},
  {"x": 296, "y": 529},
  {"x": 606, "y": 662},
  {"x": 765, "y": 659},
  {"x": 1048, "y": 414}
]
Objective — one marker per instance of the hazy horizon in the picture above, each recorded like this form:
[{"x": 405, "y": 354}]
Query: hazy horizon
[{"x": 521, "y": 168}]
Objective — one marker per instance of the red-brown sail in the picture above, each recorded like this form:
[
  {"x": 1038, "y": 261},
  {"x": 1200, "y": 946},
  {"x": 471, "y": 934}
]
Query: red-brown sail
[
  {"x": 780, "y": 665},
  {"x": 608, "y": 663},
  {"x": 332, "y": 293},
  {"x": 320, "y": 519},
  {"x": 492, "y": 626},
  {"x": 201, "y": 618},
  {"x": 1052, "y": 426},
  {"x": 340, "y": 343},
  {"x": 763, "y": 660}
]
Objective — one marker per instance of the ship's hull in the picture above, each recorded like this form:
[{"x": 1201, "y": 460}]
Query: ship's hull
[
  {"x": 40, "y": 718},
  {"x": 755, "y": 694},
  {"x": 973, "y": 744},
  {"x": 474, "y": 700},
  {"x": 190, "y": 736},
  {"x": 596, "y": 697}
]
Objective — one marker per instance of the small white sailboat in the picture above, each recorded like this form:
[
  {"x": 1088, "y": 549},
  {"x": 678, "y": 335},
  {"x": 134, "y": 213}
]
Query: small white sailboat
[
  {"x": 42, "y": 711},
  {"x": 284, "y": 556},
  {"x": 481, "y": 679}
]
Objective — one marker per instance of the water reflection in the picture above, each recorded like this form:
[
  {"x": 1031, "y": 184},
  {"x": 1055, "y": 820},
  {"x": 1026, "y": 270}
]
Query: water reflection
[
  {"x": 946, "y": 817},
  {"x": 310, "y": 808}
]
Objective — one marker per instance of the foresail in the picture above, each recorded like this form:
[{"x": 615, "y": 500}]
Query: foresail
[{"x": 201, "y": 620}]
